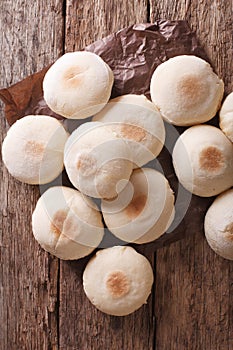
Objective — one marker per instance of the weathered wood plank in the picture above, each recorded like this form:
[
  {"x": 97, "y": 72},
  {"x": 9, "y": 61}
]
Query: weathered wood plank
[
  {"x": 194, "y": 290},
  {"x": 92, "y": 20},
  {"x": 81, "y": 325},
  {"x": 32, "y": 36},
  {"x": 194, "y": 286},
  {"x": 193, "y": 297}
]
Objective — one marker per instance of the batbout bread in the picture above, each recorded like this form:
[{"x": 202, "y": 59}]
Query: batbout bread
[
  {"x": 78, "y": 85},
  {"x": 66, "y": 223},
  {"x": 138, "y": 121},
  {"x": 186, "y": 90},
  {"x": 143, "y": 211},
  {"x": 219, "y": 225},
  {"x": 97, "y": 162},
  {"x": 32, "y": 150},
  {"x": 203, "y": 160},
  {"x": 118, "y": 280},
  {"x": 226, "y": 117}
]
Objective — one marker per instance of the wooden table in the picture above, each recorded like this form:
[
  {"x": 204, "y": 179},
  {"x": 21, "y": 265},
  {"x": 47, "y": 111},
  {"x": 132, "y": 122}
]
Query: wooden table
[{"x": 42, "y": 304}]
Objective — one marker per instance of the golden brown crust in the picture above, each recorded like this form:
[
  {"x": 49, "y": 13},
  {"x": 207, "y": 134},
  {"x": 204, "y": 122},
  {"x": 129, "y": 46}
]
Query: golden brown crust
[
  {"x": 73, "y": 77},
  {"x": 86, "y": 164},
  {"x": 136, "y": 206},
  {"x": 118, "y": 284},
  {"x": 58, "y": 221},
  {"x": 69, "y": 226},
  {"x": 211, "y": 159},
  {"x": 35, "y": 149},
  {"x": 191, "y": 88},
  {"x": 229, "y": 231},
  {"x": 133, "y": 132}
]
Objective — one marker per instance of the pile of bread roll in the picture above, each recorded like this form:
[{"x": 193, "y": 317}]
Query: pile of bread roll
[{"x": 104, "y": 159}]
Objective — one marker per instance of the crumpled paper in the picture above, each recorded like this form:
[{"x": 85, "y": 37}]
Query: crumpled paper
[{"x": 133, "y": 53}]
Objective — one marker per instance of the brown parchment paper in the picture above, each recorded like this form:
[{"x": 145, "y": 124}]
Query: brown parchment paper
[{"x": 133, "y": 53}]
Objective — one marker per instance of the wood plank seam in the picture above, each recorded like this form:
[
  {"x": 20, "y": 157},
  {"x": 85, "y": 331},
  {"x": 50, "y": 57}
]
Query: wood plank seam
[
  {"x": 64, "y": 5},
  {"x": 148, "y": 12}
]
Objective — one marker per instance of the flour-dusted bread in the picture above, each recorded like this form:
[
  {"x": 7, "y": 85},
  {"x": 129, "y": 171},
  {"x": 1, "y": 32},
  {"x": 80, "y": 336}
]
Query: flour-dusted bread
[
  {"x": 78, "y": 85},
  {"x": 186, "y": 90},
  {"x": 143, "y": 211},
  {"x": 138, "y": 121},
  {"x": 219, "y": 225},
  {"x": 33, "y": 149},
  {"x": 66, "y": 223},
  {"x": 118, "y": 280},
  {"x": 226, "y": 117},
  {"x": 203, "y": 160},
  {"x": 97, "y": 161}
]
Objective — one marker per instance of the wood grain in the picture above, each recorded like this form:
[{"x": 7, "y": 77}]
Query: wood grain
[
  {"x": 92, "y": 20},
  {"x": 194, "y": 289},
  {"x": 91, "y": 328},
  {"x": 32, "y": 36},
  {"x": 193, "y": 297},
  {"x": 42, "y": 303}
]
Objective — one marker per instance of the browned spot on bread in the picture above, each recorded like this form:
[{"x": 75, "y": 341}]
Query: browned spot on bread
[
  {"x": 229, "y": 231},
  {"x": 192, "y": 88},
  {"x": 211, "y": 159},
  {"x": 58, "y": 221},
  {"x": 73, "y": 76},
  {"x": 136, "y": 206},
  {"x": 35, "y": 149},
  {"x": 133, "y": 132},
  {"x": 86, "y": 164},
  {"x": 118, "y": 284},
  {"x": 70, "y": 227}
]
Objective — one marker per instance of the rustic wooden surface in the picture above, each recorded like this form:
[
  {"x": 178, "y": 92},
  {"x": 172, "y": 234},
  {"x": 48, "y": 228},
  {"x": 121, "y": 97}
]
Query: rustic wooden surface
[
  {"x": 42, "y": 305},
  {"x": 194, "y": 290}
]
